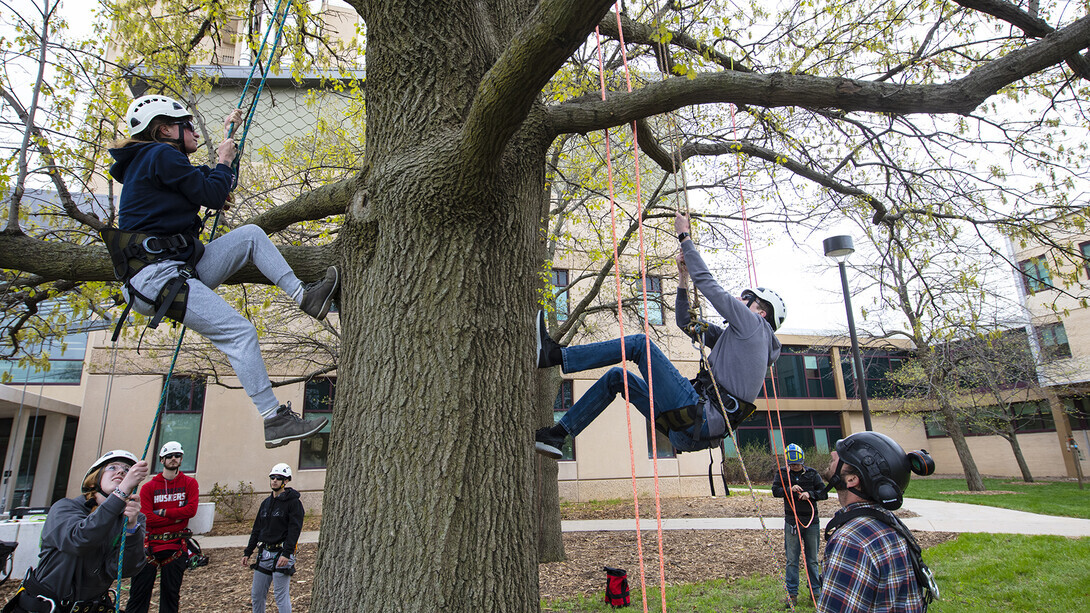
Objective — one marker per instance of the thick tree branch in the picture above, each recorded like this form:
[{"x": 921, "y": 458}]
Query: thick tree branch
[
  {"x": 509, "y": 89},
  {"x": 1032, "y": 25},
  {"x": 319, "y": 203},
  {"x": 784, "y": 89},
  {"x": 55, "y": 260}
]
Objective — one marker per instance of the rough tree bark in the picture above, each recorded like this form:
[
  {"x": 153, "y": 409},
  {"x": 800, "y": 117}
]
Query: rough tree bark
[{"x": 437, "y": 327}]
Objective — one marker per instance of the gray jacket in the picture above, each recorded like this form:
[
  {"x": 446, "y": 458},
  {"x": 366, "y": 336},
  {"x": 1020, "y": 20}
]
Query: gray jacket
[
  {"x": 741, "y": 352},
  {"x": 80, "y": 546}
]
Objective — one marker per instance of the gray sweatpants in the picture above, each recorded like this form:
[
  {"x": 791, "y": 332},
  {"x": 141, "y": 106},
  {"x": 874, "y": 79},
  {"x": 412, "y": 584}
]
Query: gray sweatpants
[
  {"x": 280, "y": 584},
  {"x": 210, "y": 316}
]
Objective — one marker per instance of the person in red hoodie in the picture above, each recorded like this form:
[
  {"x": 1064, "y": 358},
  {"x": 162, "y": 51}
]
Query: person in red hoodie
[{"x": 168, "y": 501}]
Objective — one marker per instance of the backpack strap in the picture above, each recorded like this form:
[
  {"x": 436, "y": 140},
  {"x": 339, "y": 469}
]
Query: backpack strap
[{"x": 925, "y": 579}]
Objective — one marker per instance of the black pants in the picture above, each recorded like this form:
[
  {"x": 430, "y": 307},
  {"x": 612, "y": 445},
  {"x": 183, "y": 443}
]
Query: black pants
[{"x": 170, "y": 584}]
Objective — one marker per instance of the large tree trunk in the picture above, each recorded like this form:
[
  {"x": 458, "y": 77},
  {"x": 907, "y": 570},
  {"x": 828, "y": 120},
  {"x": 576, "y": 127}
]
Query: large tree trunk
[
  {"x": 550, "y": 545},
  {"x": 427, "y": 500},
  {"x": 953, "y": 428}
]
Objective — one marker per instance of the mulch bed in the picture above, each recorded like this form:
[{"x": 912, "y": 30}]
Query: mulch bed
[{"x": 689, "y": 555}]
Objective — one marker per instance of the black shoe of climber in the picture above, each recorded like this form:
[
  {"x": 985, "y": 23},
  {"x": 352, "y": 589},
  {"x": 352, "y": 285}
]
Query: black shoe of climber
[
  {"x": 318, "y": 296},
  {"x": 286, "y": 426},
  {"x": 549, "y": 441},
  {"x": 548, "y": 350}
]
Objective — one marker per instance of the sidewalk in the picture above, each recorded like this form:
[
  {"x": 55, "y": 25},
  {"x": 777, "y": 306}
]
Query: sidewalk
[{"x": 934, "y": 516}]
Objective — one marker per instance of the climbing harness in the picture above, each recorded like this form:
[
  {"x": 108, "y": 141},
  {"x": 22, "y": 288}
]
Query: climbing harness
[{"x": 130, "y": 252}]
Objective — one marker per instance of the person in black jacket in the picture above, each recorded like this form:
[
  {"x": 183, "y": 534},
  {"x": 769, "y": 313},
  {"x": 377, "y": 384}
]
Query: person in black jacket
[
  {"x": 800, "y": 518},
  {"x": 160, "y": 204},
  {"x": 275, "y": 535}
]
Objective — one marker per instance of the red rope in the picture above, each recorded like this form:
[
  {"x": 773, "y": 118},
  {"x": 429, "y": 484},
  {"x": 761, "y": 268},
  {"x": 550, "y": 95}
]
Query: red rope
[
  {"x": 646, "y": 319},
  {"x": 620, "y": 325}
]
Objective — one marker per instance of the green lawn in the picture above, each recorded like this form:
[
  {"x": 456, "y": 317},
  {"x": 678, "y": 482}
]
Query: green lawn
[
  {"x": 975, "y": 573},
  {"x": 1046, "y": 497}
]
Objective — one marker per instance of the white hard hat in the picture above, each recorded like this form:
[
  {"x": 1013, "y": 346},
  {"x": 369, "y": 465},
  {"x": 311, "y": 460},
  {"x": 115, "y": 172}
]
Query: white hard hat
[
  {"x": 117, "y": 455},
  {"x": 281, "y": 470},
  {"x": 145, "y": 108},
  {"x": 779, "y": 312},
  {"x": 171, "y": 447}
]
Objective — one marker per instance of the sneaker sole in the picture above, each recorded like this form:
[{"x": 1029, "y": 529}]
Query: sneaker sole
[
  {"x": 548, "y": 450},
  {"x": 329, "y": 299},
  {"x": 280, "y": 442}
]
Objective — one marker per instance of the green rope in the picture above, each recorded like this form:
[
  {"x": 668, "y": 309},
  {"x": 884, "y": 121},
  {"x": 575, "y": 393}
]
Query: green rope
[{"x": 215, "y": 225}]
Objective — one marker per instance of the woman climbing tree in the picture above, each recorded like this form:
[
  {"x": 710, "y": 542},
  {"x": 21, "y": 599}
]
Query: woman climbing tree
[{"x": 168, "y": 272}]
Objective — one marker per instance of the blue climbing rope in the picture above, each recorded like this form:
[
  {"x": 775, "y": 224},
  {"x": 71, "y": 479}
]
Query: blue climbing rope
[{"x": 282, "y": 19}]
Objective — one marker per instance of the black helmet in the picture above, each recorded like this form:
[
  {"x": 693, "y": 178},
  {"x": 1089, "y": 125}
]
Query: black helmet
[{"x": 883, "y": 466}]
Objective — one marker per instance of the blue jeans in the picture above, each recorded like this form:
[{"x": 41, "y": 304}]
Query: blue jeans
[
  {"x": 792, "y": 546},
  {"x": 672, "y": 391}
]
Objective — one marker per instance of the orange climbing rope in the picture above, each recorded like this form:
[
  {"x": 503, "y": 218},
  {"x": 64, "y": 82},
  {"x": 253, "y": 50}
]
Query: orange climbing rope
[
  {"x": 752, "y": 274},
  {"x": 624, "y": 371}
]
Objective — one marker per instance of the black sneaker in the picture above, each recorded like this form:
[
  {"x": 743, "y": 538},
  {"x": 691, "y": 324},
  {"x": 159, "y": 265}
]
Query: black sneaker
[
  {"x": 286, "y": 426},
  {"x": 545, "y": 344},
  {"x": 318, "y": 296},
  {"x": 548, "y": 444}
]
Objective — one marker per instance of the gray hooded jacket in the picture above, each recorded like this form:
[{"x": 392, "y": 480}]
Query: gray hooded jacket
[{"x": 80, "y": 545}]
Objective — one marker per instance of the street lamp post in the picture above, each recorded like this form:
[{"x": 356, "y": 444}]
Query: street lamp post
[{"x": 839, "y": 248}]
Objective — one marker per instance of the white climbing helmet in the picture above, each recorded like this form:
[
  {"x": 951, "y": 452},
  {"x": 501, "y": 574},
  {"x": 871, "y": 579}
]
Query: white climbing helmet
[
  {"x": 171, "y": 447},
  {"x": 117, "y": 455},
  {"x": 145, "y": 108},
  {"x": 281, "y": 470},
  {"x": 779, "y": 312}
]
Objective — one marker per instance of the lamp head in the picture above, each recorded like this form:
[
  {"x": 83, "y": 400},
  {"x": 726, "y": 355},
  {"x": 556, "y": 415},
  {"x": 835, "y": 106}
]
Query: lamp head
[{"x": 838, "y": 247}]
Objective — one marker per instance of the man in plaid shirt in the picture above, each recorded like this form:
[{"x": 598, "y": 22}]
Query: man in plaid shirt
[{"x": 868, "y": 565}]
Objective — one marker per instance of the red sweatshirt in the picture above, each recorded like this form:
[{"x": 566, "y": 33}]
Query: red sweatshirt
[{"x": 178, "y": 499}]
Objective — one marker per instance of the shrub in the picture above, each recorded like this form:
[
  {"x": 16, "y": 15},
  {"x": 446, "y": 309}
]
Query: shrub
[
  {"x": 762, "y": 466},
  {"x": 234, "y": 504}
]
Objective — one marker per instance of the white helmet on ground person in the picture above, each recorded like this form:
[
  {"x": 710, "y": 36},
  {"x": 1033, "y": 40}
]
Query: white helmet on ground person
[
  {"x": 779, "y": 312},
  {"x": 281, "y": 470},
  {"x": 117, "y": 455},
  {"x": 146, "y": 108},
  {"x": 171, "y": 447}
]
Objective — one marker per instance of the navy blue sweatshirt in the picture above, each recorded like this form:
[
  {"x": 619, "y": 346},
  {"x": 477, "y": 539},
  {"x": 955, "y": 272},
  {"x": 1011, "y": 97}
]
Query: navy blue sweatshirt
[{"x": 163, "y": 193}]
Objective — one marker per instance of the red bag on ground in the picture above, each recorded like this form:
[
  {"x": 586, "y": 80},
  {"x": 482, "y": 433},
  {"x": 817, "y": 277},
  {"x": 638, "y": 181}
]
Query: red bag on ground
[{"x": 616, "y": 587}]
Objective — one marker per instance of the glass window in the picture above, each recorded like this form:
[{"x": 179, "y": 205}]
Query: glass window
[
  {"x": 662, "y": 443},
  {"x": 808, "y": 429},
  {"x": 935, "y": 425},
  {"x": 28, "y": 465},
  {"x": 654, "y": 301},
  {"x": 181, "y": 420},
  {"x": 1035, "y": 275},
  {"x": 1054, "y": 345},
  {"x": 317, "y": 402},
  {"x": 1033, "y": 417},
  {"x": 801, "y": 373},
  {"x": 1084, "y": 249},
  {"x": 560, "y": 289},
  {"x": 65, "y": 365},
  {"x": 565, "y": 398},
  {"x": 877, "y": 364},
  {"x": 1078, "y": 411}
]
